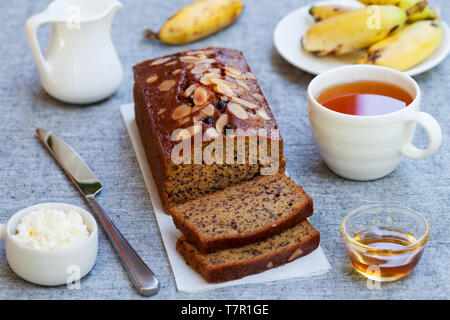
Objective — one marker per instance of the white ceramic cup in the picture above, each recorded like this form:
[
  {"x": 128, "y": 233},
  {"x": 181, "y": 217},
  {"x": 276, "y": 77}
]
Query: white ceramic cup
[
  {"x": 50, "y": 267},
  {"x": 368, "y": 147}
]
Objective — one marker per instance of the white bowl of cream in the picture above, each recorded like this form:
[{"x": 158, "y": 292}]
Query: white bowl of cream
[{"x": 51, "y": 243}]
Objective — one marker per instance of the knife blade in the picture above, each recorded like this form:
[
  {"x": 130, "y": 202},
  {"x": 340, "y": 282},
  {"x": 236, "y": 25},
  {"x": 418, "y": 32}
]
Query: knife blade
[{"x": 89, "y": 186}]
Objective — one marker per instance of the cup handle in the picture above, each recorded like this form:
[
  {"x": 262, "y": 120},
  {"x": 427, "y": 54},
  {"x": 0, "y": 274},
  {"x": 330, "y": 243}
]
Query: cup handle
[
  {"x": 32, "y": 27},
  {"x": 2, "y": 231},
  {"x": 434, "y": 134}
]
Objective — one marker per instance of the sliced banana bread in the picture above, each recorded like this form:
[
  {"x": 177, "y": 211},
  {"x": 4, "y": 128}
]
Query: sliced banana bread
[
  {"x": 243, "y": 214},
  {"x": 231, "y": 264}
]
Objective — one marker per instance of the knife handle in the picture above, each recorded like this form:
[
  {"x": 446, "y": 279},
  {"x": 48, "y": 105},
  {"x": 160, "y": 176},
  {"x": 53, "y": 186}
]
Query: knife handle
[{"x": 142, "y": 277}]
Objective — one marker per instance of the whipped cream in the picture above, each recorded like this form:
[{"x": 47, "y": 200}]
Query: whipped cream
[{"x": 50, "y": 229}]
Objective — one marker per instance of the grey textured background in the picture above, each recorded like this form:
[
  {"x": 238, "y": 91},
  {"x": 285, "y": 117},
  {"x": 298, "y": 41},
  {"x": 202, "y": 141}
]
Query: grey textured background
[{"x": 97, "y": 132}]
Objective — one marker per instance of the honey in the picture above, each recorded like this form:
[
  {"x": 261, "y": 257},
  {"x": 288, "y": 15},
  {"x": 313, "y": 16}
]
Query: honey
[{"x": 386, "y": 254}]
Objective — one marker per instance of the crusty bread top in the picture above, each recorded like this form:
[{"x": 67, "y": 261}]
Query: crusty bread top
[{"x": 213, "y": 86}]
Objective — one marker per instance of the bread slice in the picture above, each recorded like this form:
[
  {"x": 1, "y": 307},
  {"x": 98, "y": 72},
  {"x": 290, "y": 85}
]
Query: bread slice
[
  {"x": 231, "y": 264},
  {"x": 243, "y": 214}
]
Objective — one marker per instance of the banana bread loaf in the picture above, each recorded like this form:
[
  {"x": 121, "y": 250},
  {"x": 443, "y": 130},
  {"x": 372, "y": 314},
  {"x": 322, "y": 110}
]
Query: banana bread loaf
[
  {"x": 192, "y": 99},
  {"x": 231, "y": 264},
  {"x": 243, "y": 214}
]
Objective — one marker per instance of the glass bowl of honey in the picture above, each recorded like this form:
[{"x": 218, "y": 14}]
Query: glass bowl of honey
[{"x": 384, "y": 242}]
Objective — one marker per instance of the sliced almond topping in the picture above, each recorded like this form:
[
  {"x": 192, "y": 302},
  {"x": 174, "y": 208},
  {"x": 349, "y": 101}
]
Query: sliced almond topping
[
  {"x": 177, "y": 71},
  {"x": 160, "y": 61},
  {"x": 258, "y": 97},
  {"x": 208, "y": 110},
  {"x": 214, "y": 70},
  {"x": 209, "y": 51},
  {"x": 221, "y": 122},
  {"x": 190, "y": 90},
  {"x": 237, "y": 111},
  {"x": 181, "y": 112},
  {"x": 263, "y": 114},
  {"x": 190, "y": 66},
  {"x": 189, "y": 59},
  {"x": 207, "y": 61},
  {"x": 152, "y": 79},
  {"x": 200, "y": 68},
  {"x": 249, "y": 75},
  {"x": 199, "y": 116},
  {"x": 224, "y": 89},
  {"x": 245, "y": 103},
  {"x": 166, "y": 85},
  {"x": 201, "y": 55},
  {"x": 232, "y": 71},
  {"x": 170, "y": 63},
  {"x": 161, "y": 111},
  {"x": 193, "y": 53},
  {"x": 200, "y": 96},
  {"x": 182, "y": 134},
  {"x": 210, "y": 134},
  {"x": 197, "y": 108},
  {"x": 225, "y": 82},
  {"x": 206, "y": 79},
  {"x": 184, "y": 120},
  {"x": 243, "y": 84}
]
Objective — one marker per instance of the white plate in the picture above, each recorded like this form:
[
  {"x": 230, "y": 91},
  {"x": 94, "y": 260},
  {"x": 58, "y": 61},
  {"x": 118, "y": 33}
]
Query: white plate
[{"x": 292, "y": 27}]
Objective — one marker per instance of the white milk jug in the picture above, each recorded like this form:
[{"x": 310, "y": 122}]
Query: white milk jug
[{"x": 81, "y": 65}]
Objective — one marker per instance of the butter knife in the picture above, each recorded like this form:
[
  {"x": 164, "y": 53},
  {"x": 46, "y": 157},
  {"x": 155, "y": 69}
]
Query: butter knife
[{"x": 89, "y": 185}]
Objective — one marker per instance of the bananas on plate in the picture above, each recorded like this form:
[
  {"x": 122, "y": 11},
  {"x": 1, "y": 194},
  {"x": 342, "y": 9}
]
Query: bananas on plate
[
  {"x": 398, "y": 33},
  {"x": 406, "y": 47},
  {"x": 198, "y": 20},
  {"x": 354, "y": 30}
]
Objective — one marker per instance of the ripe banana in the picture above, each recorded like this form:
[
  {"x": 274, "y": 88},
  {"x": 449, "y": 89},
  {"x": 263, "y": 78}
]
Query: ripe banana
[
  {"x": 198, "y": 20},
  {"x": 406, "y": 47},
  {"x": 353, "y": 30},
  {"x": 324, "y": 12},
  {"x": 415, "y": 9}
]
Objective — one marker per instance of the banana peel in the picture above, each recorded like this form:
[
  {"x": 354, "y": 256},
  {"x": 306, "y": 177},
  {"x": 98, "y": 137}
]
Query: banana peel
[
  {"x": 320, "y": 13},
  {"x": 198, "y": 20}
]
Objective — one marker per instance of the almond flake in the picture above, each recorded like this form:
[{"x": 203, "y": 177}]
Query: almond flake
[
  {"x": 190, "y": 90},
  {"x": 200, "y": 68},
  {"x": 177, "y": 71},
  {"x": 170, "y": 63},
  {"x": 245, "y": 103},
  {"x": 206, "y": 79},
  {"x": 181, "y": 112},
  {"x": 189, "y": 59},
  {"x": 221, "y": 122},
  {"x": 160, "y": 61},
  {"x": 258, "y": 97},
  {"x": 243, "y": 84},
  {"x": 263, "y": 114},
  {"x": 208, "y": 110},
  {"x": 249, "y": 75},
  {"x": 232, "y": 72},
  {"x": 166, "y": 85},
  {"x": 207, "y": 61},
  {"x": 214, "y": 70},
  {"x": 199, "y": 117},
  {"x": 210, "y": 134},
  {"x": 184, "y": 120},
  {"x": 161, "y": 111},
  {"x": 237, "y": 111},
  {"x": 224, "y": 89},
  {"x": 152, "y": 79},
  {"x": 200, "y": 96}
]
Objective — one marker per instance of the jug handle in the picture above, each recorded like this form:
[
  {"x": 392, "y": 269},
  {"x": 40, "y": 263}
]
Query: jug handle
[
  {"x": 32, "y": 27},
  {"x": 2, "y": 231}
]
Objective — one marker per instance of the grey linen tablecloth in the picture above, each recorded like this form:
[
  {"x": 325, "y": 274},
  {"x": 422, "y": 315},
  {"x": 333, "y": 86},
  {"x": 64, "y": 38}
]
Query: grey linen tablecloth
[{"x": 97, "y": 132}]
